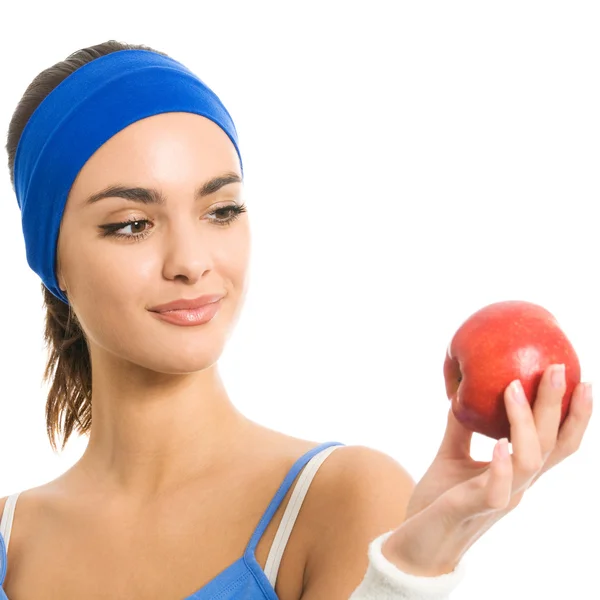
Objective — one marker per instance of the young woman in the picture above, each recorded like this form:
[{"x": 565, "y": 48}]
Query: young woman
[{"x": 129, "y": 177}]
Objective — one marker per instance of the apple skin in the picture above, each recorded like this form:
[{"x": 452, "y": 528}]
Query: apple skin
[{"x": 495, "y": 345}]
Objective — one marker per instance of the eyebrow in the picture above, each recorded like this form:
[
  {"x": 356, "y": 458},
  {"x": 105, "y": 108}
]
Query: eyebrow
[{"x": 154, "y": 196}]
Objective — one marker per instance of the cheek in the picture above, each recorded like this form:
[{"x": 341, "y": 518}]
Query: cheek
[
  {"x": 110, "y": 284},
  {"x": 106, "y": 286},
  {"x": 110, "y": 272},
  {"x": 233, "y": 259}
]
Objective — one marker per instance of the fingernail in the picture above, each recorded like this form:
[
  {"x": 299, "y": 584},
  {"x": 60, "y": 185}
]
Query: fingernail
[
  {"x": 588, "y": 392},
  {"x": 502, "y": 448},
  {"x": 558, "y": 376},
  {"x": 517, "y": 393}
]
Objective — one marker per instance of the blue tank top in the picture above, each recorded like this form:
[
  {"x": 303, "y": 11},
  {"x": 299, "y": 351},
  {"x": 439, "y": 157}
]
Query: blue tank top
[{"x": 244, "y": 579}]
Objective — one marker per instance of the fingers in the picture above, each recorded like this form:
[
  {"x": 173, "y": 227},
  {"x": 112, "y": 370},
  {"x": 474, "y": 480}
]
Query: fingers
[
  {"x": 527, "y": 454},
  {"x": 457, "y": 439},
  {"x": 488, "y": 492},
  {"x": 574, "y": 427},
  {"x": 538, "y": 442},
  {"x": 547, "y": 407},
  {"x": 498, "y": 492}
]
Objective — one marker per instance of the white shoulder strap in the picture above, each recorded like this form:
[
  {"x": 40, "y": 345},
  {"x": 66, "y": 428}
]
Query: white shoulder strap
[
  {"x": 291, "y": 513},
  {"x": 7, "y": 518}
]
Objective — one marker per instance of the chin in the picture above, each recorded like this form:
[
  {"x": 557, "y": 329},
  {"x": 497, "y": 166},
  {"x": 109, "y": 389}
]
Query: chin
[
  {"x": 177, "y": 352},
  {"x": 180, "y": 361}
]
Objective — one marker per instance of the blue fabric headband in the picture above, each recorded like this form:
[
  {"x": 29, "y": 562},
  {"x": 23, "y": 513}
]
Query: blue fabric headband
[{"x": 83, "y": 112}]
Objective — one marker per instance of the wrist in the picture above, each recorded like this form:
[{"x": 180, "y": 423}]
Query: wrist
[
  {"x": 406, "y": 557},
  {"x": 385, "y": 581}
]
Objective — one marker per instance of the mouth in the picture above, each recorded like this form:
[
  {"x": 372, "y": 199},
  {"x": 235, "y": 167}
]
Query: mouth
[{"x": 190, "y": 317}]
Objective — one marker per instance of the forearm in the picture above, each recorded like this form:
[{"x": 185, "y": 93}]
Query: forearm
[{"x": 386, "y": 580}]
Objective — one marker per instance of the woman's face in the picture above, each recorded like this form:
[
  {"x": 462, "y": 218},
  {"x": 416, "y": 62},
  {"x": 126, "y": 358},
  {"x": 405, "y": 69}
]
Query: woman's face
[{"x": 192, "y": 243}]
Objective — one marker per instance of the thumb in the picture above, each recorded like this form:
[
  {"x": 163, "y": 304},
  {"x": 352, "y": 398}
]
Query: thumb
[
  {"x": 457, "y": 439},
  {"x": 488, "y": 492}
]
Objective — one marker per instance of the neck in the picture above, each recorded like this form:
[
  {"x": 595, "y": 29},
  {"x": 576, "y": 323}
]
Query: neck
[{"x": 153, "y": 432}]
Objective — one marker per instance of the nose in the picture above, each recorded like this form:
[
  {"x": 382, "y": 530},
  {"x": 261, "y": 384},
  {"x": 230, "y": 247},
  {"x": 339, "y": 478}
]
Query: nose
[{"x": 187, "y": 252}]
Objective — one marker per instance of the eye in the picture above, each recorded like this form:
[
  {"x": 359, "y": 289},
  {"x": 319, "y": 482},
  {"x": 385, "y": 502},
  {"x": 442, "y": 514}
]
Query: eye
[
  {"x": 231, "y": 212},
  {"x": 137, "y": 229}
]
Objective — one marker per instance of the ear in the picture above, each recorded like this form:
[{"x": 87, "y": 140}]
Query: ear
[{"x": 59, "y": 277}]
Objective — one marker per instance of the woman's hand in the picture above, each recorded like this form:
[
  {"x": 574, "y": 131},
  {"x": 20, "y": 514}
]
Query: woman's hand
[{"x": 459, "y": 499}]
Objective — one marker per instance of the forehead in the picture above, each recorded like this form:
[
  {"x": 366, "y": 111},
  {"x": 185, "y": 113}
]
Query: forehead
[{"x": 164, "y": 149}]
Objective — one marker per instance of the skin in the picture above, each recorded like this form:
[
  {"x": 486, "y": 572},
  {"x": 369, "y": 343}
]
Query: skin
[
  {"x": 157, "y": 394},
  {"x": 156, "y": 387},
  {"x": 157, "y": 391},
  {"x": 459, "y": 499},
  {"x": 170, "y": 460}
]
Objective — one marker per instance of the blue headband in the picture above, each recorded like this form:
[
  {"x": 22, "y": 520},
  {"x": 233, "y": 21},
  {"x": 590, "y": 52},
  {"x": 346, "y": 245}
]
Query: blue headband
[{"x": 83, "y": 112}]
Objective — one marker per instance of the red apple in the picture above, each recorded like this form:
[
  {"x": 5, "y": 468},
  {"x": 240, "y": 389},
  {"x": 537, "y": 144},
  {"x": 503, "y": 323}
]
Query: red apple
[{"x": 501, "y": 342}]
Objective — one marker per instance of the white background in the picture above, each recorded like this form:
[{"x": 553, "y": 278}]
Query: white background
[{"x": 406, "y": 164}]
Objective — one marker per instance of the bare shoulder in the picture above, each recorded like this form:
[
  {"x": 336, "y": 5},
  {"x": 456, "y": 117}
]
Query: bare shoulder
[
  {"x": 25, "y": 497},
  {"x": 364, "y": 469},
  {"x": 360, "y": 493}
]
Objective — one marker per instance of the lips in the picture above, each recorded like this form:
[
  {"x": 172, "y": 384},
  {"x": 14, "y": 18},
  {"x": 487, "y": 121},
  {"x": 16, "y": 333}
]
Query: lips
[
  {"x": 190, "y": 317},
  {"x": 186, "y": 304}
]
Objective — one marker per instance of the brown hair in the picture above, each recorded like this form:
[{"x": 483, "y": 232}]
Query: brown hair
[{"x": 68, "y": 369}]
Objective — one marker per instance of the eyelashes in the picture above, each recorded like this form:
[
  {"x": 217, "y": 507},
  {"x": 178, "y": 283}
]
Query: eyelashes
[{"x": 233, "y": 212}]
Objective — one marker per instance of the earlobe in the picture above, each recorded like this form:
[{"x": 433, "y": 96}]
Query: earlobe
[
  {"x": 61, "y": 282},
  {"x": 59, "y": 277}
]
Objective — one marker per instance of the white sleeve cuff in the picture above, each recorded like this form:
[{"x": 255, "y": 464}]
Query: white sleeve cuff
[{"x": 384, "y": 581}]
